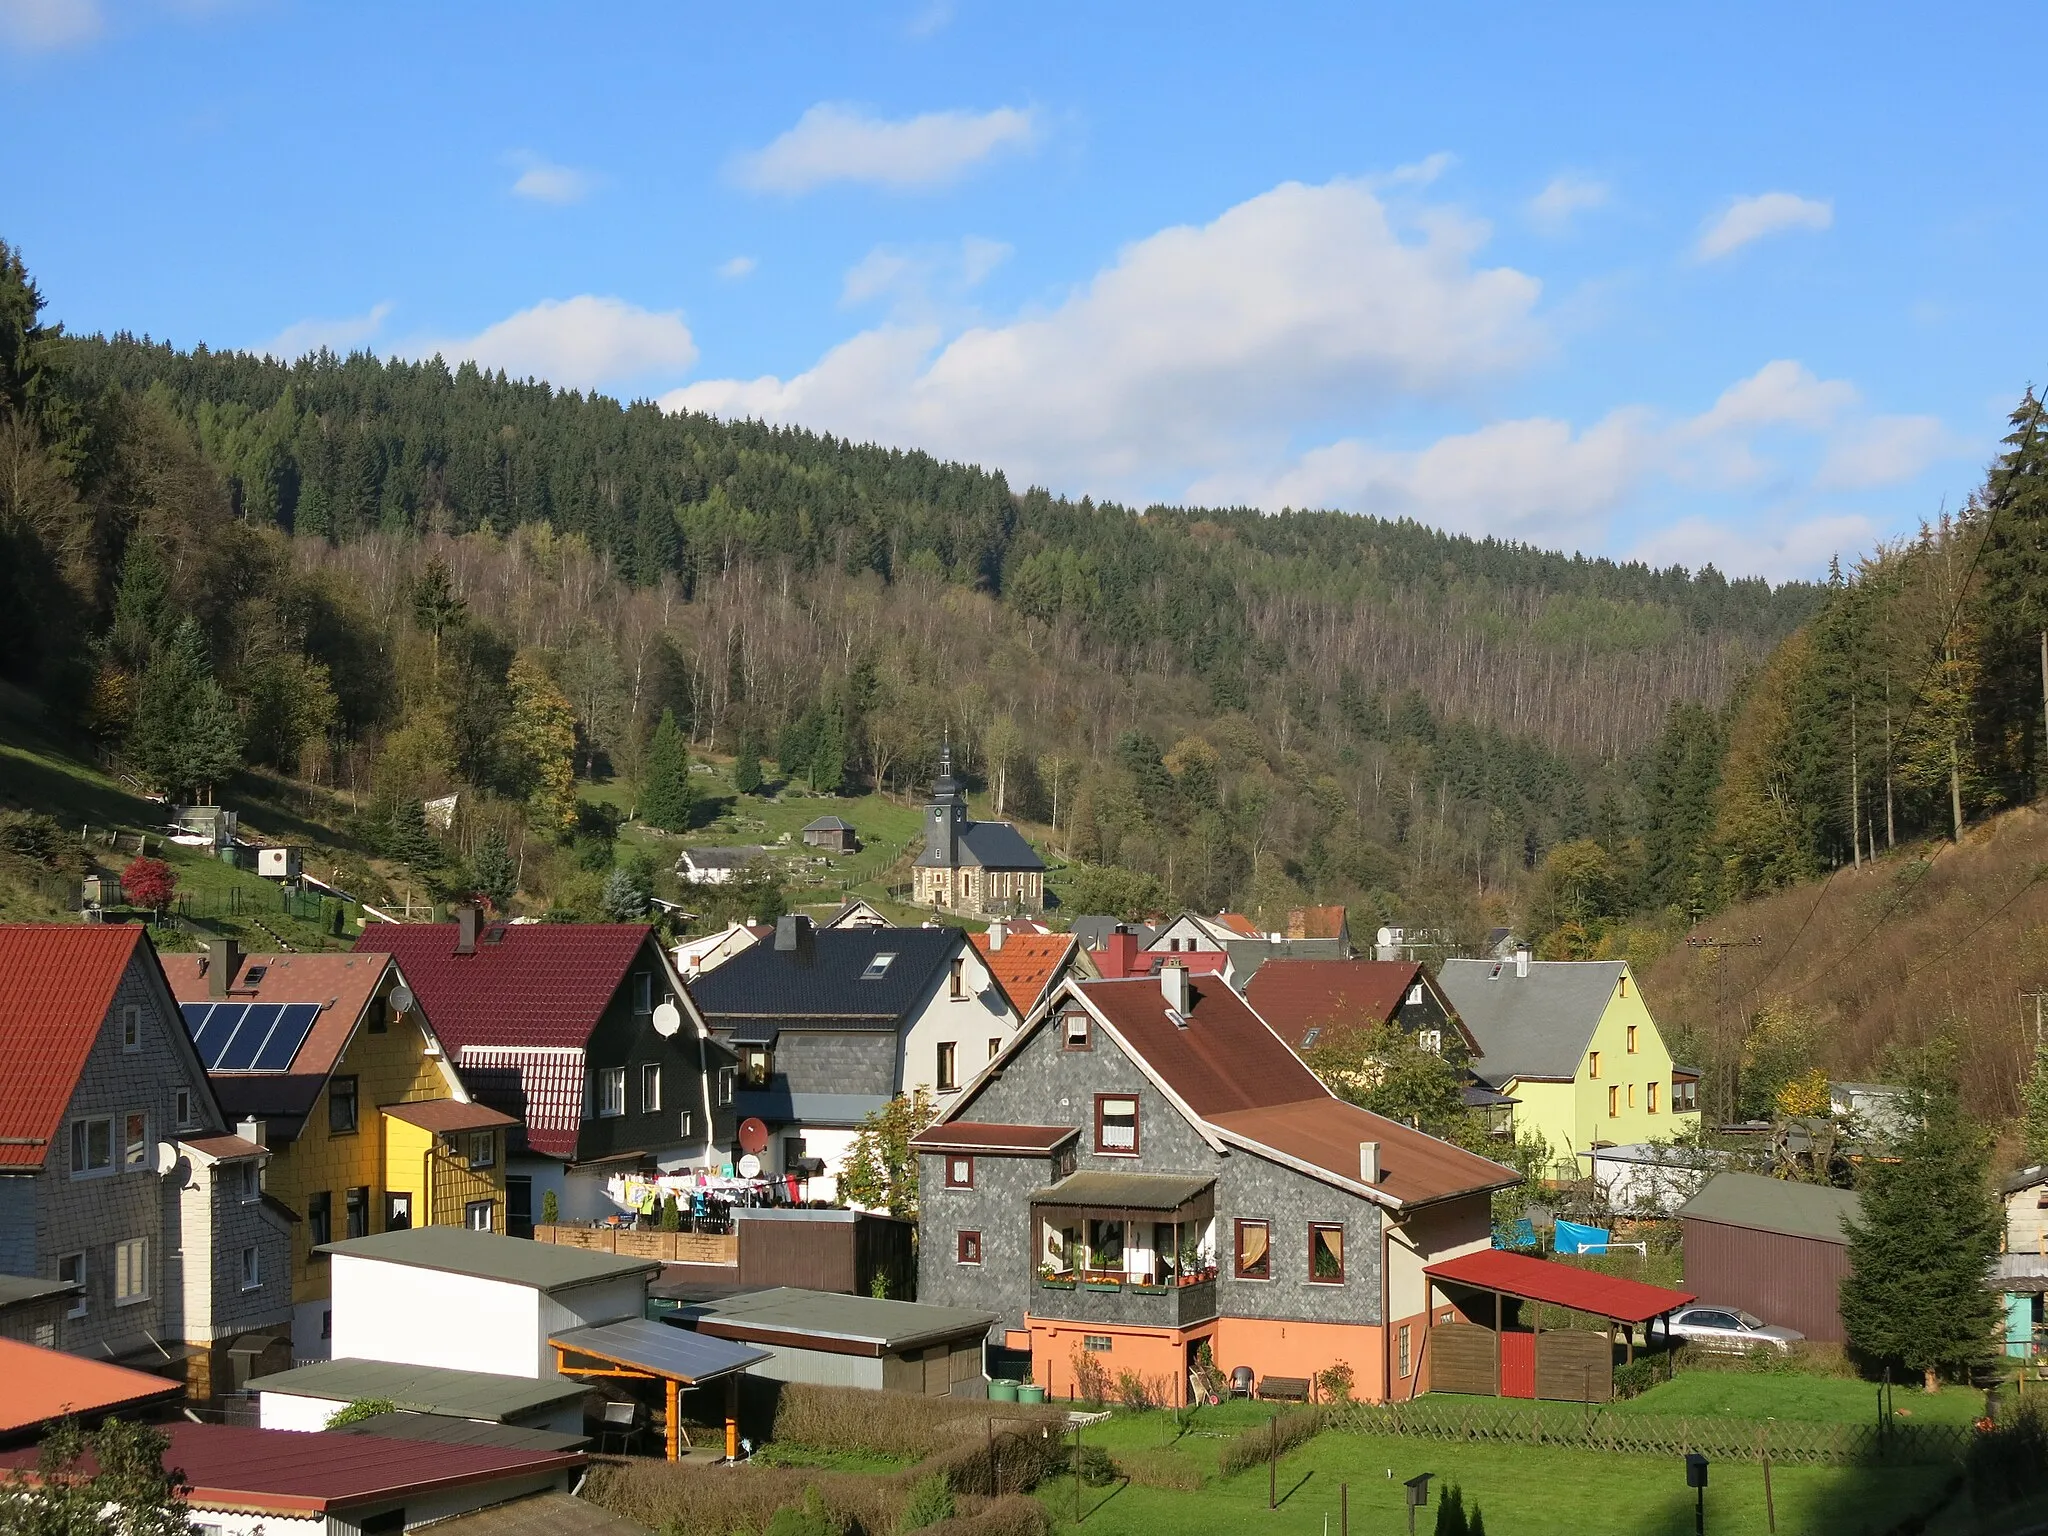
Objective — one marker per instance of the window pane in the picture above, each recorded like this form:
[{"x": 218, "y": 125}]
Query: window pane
[
  {"x": 1326, "y": 1254},
  {"x": 1254, "y": 1254},
  {"x": 135, "y": 1137}
]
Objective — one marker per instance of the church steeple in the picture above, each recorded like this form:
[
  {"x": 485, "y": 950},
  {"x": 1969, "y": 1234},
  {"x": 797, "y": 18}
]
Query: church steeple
[{"x": 946, "y": 816}]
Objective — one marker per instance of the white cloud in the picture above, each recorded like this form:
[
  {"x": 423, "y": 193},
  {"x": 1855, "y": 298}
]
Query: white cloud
[
  {"x": 919, "y": 277},
  {"x": 836, "y": 142},
  {"x": 1751, "y": 218},
  {"x": 1774, "y": 549},
  {"x": 1781, "y": 393},
  {"x": 545, "y": 182},
  {"x": 34, "y": 26},
  {"x": 1422, "y": 172},
  {"x": 1568, "y": 195},
  {"x": 1194, "y": 347},
  {"x": 343, "y": 335},
  {"x": 738, "y": 267},
  {"x": 582, "y": 343},
  {"x": 1884, "y": 450}
]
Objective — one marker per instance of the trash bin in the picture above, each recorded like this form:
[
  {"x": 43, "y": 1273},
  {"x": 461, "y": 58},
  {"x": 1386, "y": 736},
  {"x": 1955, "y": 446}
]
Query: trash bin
[{"x": 1002, "y": 1391}]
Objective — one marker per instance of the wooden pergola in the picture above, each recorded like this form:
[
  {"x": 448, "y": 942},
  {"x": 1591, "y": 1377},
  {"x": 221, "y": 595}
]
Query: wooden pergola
[{"x": 639, "y": 1349}]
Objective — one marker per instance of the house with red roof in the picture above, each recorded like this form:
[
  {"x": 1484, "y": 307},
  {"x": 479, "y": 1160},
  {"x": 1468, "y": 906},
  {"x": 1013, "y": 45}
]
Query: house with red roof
[
  {"x": 330, "y": 1063},
  {"x": 1026, "y": 965},
  {"x": 40, "y": 1387},
  {"x": 583, "y": 1033},
  {"x": 119, "y": 1174},
  {"x": 290, "y": 1483},
  {"x": 1148, "y": 1169}
]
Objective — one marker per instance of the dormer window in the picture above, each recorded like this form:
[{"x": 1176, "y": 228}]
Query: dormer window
[{"x": 878, "y": 967}]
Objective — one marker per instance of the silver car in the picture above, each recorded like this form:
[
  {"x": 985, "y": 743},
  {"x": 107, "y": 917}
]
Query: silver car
[{"x": 1729, "y": 1328}]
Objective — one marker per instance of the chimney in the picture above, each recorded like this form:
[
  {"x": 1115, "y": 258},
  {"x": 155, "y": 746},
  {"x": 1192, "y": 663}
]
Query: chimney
[
  {"x": 1173, "y": 981},
  {"x": 1522, "y": 961},
  {"x": 995, "y": 935},
  {"x": 252, "y": 1130},
  {"x": 1120, "y": 953},
  {"x": 793, "y": 937},
  {"x": 1368, "y": 1162},
  {"x": 465, "y": 929},
  {"x": 224, "y": 958}
]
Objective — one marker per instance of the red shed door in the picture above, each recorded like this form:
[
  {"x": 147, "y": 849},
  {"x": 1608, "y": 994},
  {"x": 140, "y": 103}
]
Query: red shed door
[{"x": 1518, "y": 1365}]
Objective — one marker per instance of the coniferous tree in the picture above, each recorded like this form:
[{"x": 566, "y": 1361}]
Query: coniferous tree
[
  {"x": 624, "y": 898},
  {"x": 492, "y": 874},
  {"x": 667, "y": 797},
  {"x": 1920, "y": 1249},
  {"x": 2035, "y": 1095},
  {"x": 746, "y": 766},
  {"x": 186, "y": 736}
]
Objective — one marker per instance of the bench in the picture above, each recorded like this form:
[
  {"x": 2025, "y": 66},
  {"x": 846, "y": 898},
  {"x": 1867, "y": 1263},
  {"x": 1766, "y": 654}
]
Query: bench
[{"x": 1284, "y": 1389}]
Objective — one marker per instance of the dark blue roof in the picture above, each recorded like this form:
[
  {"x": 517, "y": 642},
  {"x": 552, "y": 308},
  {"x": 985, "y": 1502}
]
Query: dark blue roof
[{"x": 766, "y": 982}]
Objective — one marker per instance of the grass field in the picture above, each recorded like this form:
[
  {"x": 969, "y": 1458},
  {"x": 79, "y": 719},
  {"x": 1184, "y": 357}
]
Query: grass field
[
  {"x": 1830, "y": 1399},
  {"x": 1524, "y": 1490}
]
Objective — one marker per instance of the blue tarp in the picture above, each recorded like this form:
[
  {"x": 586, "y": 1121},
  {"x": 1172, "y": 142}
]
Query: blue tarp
[
  {"x": 1520, "y": 1233},
  {"x": 1574, "y": 1238}
]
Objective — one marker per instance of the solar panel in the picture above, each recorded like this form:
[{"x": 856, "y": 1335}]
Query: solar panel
[
  {"x": 195, "y": 1018},
  {"x": 240, "y": 1052},
  {"x": 218, "y": 1031},
  {"x": 290, "y": 1033}
]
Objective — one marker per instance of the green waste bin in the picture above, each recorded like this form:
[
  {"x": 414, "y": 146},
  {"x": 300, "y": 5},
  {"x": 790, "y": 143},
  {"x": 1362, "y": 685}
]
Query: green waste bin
[
  {"x": 1030, "y": 1392},
  {"x": 1002, "y": 1391}
]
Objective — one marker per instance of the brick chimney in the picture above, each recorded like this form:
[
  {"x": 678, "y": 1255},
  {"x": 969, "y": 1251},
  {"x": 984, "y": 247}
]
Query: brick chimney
[
  {"x": 1119, "y": 953},
  {"x": 465, "y": 929}
]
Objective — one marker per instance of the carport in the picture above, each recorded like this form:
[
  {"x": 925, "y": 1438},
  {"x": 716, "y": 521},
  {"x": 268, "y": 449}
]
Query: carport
[
  {"x": 640, "y": 1350},
  {"x": 1504, "y": 1360}
]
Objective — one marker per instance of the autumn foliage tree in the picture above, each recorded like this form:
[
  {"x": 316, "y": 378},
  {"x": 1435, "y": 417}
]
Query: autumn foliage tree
[{"x": 149, "y": 883}]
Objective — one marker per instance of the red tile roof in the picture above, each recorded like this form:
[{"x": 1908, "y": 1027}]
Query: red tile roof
[
  {"x": 986, "y": 1136},
  {"x": 1239, "y": 924},
  {"x": 286, "y": 1472},
  {"x": 1583, "y": 1290},
  {"x": 540, "y": 984},
  {"x": 1325, "y": 1133},
  {"x": 41, "y": 1384},
  {"x": 1026, "y": 965},
  {"x": 57, "y": 984},
  {"x": 1295, "y": 996},
  {"x": 1226, "y": 1058}
]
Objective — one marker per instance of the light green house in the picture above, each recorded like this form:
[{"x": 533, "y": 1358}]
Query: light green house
[{"x": 1572, "y": 1041}]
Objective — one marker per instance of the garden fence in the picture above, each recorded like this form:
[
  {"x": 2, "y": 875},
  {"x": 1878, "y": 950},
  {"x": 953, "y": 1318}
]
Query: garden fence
[{"x": 1780, "y": 1440}]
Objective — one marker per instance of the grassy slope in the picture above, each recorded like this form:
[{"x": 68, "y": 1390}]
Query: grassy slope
[
  {"x": 1748, "y": 1395},
  {"x": 1934, "y": 933},
  {"x": 1524, "y": 1490}
]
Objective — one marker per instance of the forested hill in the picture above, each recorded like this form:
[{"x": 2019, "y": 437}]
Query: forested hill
[{"x": 397, "y": 579}]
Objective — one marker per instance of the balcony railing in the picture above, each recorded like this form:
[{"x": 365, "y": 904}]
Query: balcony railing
[{"x": 1101, "y": 1298}]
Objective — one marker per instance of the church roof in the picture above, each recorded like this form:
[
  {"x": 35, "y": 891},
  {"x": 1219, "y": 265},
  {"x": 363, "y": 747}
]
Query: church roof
[{"x": 987, "y": 845}]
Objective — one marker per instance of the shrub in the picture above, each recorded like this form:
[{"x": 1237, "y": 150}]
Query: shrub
[
  {"x": 931, "y": 1500},
  {"x": 1158, "y": 1468},
  {"x": 1091, "y": 1377},
  {"x": 1296, "y": 1427},
  {"x": 362, "y": 1408},
  {"x": 680, "y": 1499},
  {"x": 809, "y": 1518},
  {"x": 1641, "y": 1374},
  {"x": 149, "y": 883},
  {"x": 1023, "y": 1461},
  {"x": 1097, "y": 1470},
  {"x": 1138, "y": 1393},
  {"x": 1335, "y": 1382},
  {"x": 888, "y": 1423},
  {"x": 2010, "y": 1462},
  {"x": 550, "y": 1208},
  {"x": 31, "y": 835},
  {"x": 998, "y": 1517}
]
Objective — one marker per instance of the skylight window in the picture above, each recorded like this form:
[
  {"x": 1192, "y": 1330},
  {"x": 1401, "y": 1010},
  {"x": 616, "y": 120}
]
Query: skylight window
[
  {"x": 1310, "y": 1038},
  {"x": 254, "y": 974},
  {"x": 877, "y": 968}
]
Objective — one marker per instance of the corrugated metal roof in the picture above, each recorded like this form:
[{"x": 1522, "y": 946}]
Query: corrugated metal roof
[
  {"x": 764, "y": 981},
  {"x": 1537, "y": 1025},
  {"x": 1775, "y": 1205},
  {"x": 892, "y": 1325},
  {"x": 38, "y": 1385},
  {"x": 57, "y": 984},
  {"x": 16, "y": 1289},
  {"x": 487, "y": 1256},
  {"x": 541, "y": 1514},
  {"x": 1561, "y": 1285},
  {"x": 421, "y": 1388},
  {"x": 1124, "y": 1191},
  {"x": 646, "y": 1345},
  {"x": 445, "y": 1429}
]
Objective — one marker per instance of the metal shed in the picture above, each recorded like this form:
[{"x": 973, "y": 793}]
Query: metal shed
[
  {"x": 853, "y": 1341},
  {"x": 1772, "y": 1247}
]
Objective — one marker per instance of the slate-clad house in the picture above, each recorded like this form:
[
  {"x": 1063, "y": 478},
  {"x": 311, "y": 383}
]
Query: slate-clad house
[
  {"x": 584, "y": 1033},
  {"x": 118, "y": 1173},
  {"x": 1148, "y": 1167},
  {"x": 829, "y": 1023},
  {"x": 983, "y": 867}
]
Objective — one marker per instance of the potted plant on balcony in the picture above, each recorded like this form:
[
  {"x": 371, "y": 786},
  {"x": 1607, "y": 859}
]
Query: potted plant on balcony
[
  {"x": 1150, "y": 1284},
  {"x": 1053, "y": 1280},
  {"x": 1103, "y": 1280}
]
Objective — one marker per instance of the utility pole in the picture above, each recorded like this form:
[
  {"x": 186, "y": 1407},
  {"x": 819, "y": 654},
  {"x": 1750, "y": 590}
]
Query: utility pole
[{"x": 1719, "y": 948}]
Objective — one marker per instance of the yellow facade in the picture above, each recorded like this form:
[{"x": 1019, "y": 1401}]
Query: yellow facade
[
  {"x": 381, "y": 1156},
  {"x": 1621, "y": 1093}
]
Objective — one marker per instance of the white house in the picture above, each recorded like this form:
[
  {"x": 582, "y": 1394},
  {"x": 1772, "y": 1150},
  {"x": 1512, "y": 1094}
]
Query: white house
[{"x": 708, "y": 951}]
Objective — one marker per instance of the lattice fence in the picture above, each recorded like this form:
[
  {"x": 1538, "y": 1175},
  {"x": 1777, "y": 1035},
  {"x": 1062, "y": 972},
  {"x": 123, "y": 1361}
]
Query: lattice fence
[{"x": 1780, "y": 1440}]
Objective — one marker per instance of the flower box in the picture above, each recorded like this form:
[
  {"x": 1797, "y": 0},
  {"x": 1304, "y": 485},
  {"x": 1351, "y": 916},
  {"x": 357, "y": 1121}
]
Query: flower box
[
  {"x": 1143, "y": 1289},
  {"x": 1103, "y": 1285},
  {"x": 1056, "y": 1282}
]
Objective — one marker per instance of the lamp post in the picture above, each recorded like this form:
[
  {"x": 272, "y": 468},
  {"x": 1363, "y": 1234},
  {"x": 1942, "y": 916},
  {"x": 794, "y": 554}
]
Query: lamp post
[
  {"x": 1696, "y": 1478},
  {"x": 1418, "y": 1495}
]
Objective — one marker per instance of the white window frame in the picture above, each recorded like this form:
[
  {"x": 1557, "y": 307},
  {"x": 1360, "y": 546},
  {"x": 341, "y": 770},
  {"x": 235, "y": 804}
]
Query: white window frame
[
  {"x": 131, "y": 1028},
  {"x": 131, "y": 1269},
  {"x": 1415, "y": 993},
  {"x": 81, "y": 1148},
  {"x": 252, "y": 1268},
  {"x": 135, "y": 1150},
  {"x": 1431, "y": 1040},
  {"x": 486, "y": 1143},
  {"x": 74, "y": 1262},
  {"x": 650, "y": 1087},
  {"x": 489, "y": 1211},
  {"x": 611, "y": 1092},
  {"x": 946, "y": 1066},
  {"x": 643, "y": 992},
  {"x": 728, "y": 1078},
  {"x": 686, "y": 1128}
]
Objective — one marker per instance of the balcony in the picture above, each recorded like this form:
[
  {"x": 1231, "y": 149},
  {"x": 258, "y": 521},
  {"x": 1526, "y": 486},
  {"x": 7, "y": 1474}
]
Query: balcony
[{"x": 1067, "y": 1300}]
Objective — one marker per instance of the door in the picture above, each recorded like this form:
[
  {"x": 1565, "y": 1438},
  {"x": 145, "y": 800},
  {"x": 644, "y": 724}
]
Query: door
[
  {"x": 519, "y": 1205},
  {"x": 1518, "y": 1365},
  {"x": 397, "y": 1212}
]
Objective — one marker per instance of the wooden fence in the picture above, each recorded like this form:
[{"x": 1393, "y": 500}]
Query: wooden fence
[
  {"x": 1779, "y": 1440},
  {"x": 634, "y": 1243}
]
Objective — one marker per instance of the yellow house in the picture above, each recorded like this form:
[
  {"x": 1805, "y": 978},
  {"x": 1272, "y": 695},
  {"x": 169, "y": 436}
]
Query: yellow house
[
  {"x": 1572, "y": 1041},
  {"x": 329, "y": 1061}
]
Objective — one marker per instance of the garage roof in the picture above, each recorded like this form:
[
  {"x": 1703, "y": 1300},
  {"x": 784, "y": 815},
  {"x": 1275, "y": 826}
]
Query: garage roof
[
  {"x": 420, "y": 1388},
  {"x": 38, "y": 1384},
  {"x": 1583, "y": 1290},
  {"x": 1774, "y": 1205},
  {"x": 788, "y": 1315},
  {"x": 673, "y": 1353},
  {"x": 487, "y": 1256}
]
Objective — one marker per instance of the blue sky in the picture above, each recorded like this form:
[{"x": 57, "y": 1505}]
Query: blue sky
[{"x": 1744, "y": 283}]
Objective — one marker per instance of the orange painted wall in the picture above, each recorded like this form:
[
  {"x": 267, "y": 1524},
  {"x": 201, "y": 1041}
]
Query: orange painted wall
[
  {"x": 1274, "y": 1348},
  {"x": 1417, "y": 1381},
  {"x": 1157, "y": 1354}
]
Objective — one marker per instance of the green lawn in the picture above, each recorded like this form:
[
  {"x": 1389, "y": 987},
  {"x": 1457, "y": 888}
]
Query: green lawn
[
  {"x": 1755, "y": 1395},
  {"x": 1524, "y": 1490}
]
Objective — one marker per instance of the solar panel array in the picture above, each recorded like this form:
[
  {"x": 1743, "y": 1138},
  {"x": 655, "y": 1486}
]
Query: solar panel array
[{"x": 249, "y": 1037}]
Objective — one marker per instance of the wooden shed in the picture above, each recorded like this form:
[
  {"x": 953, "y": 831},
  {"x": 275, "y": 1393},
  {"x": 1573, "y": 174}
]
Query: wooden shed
[
  {"x": 819, "y": 1249},
  {"x": 852, "y": 1341},
  {"x": 833, "y": 834},
  {"x": 1771, "y": 1247}
]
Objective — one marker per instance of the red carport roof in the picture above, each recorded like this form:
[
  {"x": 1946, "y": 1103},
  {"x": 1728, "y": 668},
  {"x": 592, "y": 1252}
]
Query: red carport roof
[{"x": 1583, "y": 1290}]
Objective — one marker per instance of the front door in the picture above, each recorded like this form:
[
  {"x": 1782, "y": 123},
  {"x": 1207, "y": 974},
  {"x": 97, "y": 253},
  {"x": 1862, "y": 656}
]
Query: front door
[{"x": 518, "y": 1205}]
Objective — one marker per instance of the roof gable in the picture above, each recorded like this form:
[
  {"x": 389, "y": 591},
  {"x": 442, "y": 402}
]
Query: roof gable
[
  {"x": 527, "y": 983},
  {"x": 1537, "y": 1025},
  {"x": 1295, "y": 996},
  {"x": 1026, "y": 965},
  {"x": 1225, "y": 1058},
  {"x": 58, "y": 982},
  {"x": 997, "y": 845},
  {"x": 765, "y": 982}
]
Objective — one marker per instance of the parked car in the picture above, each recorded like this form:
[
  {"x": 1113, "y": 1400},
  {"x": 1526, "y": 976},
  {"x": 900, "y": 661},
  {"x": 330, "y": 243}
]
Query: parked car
[{"x": 1729, "y": 1328}]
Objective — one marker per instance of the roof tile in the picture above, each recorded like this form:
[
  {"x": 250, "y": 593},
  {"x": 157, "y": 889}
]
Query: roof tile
[
  {"x": 527, "y": 983},
  {"x": 1026, "y": 965},
  {"x": 57, "y": 985}
]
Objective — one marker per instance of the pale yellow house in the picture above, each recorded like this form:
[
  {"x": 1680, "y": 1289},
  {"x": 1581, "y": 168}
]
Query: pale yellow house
[
  {"x": 1572, "y": 1041},
  {"x": 329, "y": 1062}
]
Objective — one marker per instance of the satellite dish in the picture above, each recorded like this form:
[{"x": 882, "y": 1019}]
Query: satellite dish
[
  {"x": 401, "y": 999},
  {"x": 750, "y": 1167},
  {"x": 753, "y": 1135},
  {"x": 668, "y": 1018},
  {"x": 166, "y": 1156}
]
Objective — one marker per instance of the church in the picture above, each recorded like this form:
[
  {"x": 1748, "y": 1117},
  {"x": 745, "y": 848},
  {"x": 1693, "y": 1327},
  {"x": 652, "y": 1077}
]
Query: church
[{"x": 980, "y": 867}]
